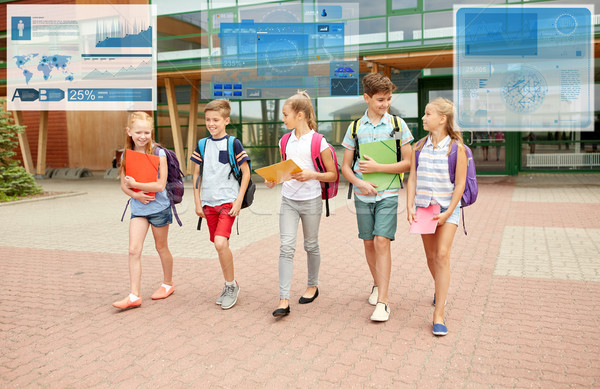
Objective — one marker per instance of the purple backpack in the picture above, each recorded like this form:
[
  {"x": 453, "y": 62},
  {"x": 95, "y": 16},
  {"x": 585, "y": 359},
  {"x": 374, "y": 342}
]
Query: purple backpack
[
  {"x": 174, "y": 179},
  {"x": 471, "y": 188}
]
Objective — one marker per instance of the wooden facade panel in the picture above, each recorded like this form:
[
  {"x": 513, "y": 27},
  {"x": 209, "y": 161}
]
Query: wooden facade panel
[
  {"x": 56, "y": 150},
  {"x": 94, "y": 137}
]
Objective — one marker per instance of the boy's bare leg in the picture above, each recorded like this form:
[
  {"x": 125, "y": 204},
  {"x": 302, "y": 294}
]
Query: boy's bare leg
[
  {"x": 383, "y": 266},
  {"x": 225, "y": 257},
  {"x": 371, "y": 259}
]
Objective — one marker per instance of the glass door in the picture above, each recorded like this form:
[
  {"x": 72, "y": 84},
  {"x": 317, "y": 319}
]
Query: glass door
[{"x": 488, "y": 145}]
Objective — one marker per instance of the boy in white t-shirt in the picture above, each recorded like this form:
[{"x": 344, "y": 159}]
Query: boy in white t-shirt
[{"x": 217, "y": 194}]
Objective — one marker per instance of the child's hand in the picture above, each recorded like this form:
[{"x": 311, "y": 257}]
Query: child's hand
[
  {"x": 304, "y": 175},
  {"x": 367, "y": 188},
  {"x": 235, "y": 208},
  {"x": 200, "y": 212},
  {"x": 411, "y": 215},
  {"x": 270, "y": 184},
  {"x": 368, "y": 166},
  {"x": 130, "y": 182},
  {"x": 441, "y": 218},
  {"x": 143, "y": 197}
]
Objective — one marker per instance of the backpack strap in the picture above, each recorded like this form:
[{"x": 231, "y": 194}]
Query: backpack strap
[
  {"x": 284, "y": 141},
  {"x": 418, "y": 148},
  {"x": 156, "y": 151},
  {"x": 452, "y": 158},
  {"x": 235, "y": 170},
  {"x": 125, "y": 210},
  {"x": 353, "y": 134},
  {"x": 201, "y": 149},
  {"x": 396, "y": 129},
  {"x": 315, "y": 152}
]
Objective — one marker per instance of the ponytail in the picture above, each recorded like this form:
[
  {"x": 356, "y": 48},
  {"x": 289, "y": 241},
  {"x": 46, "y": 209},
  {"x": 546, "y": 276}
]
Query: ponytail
[{"x": 301, "y": 102}]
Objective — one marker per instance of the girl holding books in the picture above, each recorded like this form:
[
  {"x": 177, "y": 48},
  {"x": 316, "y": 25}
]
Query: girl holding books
[
  {"x": 147, "y": 209},
  {"x": 430, "y": 184},
  {"x": 301, "y": 199}
]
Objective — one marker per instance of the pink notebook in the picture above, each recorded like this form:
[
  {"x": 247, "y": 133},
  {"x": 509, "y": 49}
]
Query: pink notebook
[{"x": 425, "y": 224}]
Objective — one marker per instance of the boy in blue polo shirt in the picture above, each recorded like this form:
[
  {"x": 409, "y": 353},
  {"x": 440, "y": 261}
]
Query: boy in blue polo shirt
[{"x": 376, "y": 210}]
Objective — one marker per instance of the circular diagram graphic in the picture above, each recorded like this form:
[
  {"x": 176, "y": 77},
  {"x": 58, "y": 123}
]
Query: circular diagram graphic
[
  {"x": 524, "y": 90},
  {"x": 565, "y": 24},
  {"x": 282, "y": 55}
]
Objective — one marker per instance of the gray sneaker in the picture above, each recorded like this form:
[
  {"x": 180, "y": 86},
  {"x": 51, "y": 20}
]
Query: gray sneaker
[
  {"x": 231, "y": 295},
  {"x": 221, "y": 297}
]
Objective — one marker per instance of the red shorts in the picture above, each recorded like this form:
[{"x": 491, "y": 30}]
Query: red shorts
[{"x": 218, "y": 220}]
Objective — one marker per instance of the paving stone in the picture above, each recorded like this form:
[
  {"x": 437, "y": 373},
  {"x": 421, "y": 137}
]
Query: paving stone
[{"x": 523, "y": 284}]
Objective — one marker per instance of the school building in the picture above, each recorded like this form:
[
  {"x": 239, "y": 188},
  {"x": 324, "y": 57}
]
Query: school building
[{"x": 411, "y": 41}]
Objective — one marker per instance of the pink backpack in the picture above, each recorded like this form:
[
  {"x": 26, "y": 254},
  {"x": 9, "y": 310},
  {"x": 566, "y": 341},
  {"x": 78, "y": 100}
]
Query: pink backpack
[{"x": 328, "y": 189}]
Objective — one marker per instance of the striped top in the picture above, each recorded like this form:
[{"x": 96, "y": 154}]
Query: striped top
[
  {"x": 433, "y": 179},
  {"x": 366, "y": 133}
]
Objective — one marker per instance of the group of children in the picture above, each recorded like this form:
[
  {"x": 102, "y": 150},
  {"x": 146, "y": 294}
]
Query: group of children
[{"x": 218, "y": 196}]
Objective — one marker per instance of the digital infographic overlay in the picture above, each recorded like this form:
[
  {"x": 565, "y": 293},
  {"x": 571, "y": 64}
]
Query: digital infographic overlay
[
  {"x": 81, "y": 57},
  {"x": 524, "y": 68}
]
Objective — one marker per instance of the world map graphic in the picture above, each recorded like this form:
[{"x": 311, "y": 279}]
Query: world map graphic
[{"x": 46, "y": 67}]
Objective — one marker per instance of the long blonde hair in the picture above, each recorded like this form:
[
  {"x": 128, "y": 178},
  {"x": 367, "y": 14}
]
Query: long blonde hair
[
  {"x": 444, "y": 107},
  {"x": 129, "y": 145},
  {"x": 301, "y": 102}
]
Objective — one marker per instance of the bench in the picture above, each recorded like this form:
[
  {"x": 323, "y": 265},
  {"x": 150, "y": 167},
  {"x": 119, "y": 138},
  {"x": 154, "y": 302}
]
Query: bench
[{"x": 571, "y": 160}]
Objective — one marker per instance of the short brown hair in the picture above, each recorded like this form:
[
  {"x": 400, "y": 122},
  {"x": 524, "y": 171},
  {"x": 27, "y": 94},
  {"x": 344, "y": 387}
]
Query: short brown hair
[
  {"x": 221, "y": 106},
  {"x": 374, "y": 83}
]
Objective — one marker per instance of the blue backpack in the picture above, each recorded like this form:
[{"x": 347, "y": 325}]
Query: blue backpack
[
  {"x": 471, "y": 188},
  {"x": 235, "y": 170}
]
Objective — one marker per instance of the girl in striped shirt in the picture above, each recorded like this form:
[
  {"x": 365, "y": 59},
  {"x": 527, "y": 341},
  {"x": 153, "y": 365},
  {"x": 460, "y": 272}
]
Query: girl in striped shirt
[{"x": 429, "y": 184}]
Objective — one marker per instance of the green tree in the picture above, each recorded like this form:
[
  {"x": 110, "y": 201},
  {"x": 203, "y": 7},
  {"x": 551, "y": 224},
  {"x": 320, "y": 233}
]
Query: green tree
[{"x": 15, "y": 182}]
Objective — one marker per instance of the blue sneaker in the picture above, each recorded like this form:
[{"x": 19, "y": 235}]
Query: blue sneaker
[{"x": 440, "y": 329}]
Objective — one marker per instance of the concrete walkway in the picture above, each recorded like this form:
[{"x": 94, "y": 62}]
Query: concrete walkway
[{"x": 521, "y": 311}]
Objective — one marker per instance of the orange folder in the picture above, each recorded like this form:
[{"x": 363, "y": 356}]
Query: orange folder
[
  {"x": 279, "y": 172},
  {"x": 141, "y": 166}
]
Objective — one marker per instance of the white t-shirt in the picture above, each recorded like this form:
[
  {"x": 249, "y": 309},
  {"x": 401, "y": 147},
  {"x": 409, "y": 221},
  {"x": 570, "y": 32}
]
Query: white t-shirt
[{"x": 299, "y": 151}]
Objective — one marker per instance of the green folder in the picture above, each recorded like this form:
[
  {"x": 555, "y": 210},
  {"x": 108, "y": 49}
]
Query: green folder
[{"x": 382, "y": 152}]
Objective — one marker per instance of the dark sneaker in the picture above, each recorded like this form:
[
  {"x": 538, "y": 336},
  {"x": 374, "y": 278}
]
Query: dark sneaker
[{"x": 231, "y": 296}]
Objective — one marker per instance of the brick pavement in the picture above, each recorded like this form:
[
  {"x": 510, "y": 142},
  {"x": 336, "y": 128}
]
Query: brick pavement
[{"x": 523, "y": 282}]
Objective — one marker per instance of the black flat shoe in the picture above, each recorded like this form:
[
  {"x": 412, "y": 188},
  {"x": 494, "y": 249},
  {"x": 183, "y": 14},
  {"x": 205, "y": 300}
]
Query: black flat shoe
[
  {"x": 281, "y": 311},
  {"x": 306, "y": 300}
]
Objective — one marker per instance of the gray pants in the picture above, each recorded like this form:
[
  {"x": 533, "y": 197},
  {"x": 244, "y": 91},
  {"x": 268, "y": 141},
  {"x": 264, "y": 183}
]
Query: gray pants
[{"x": 291, "y": 212}]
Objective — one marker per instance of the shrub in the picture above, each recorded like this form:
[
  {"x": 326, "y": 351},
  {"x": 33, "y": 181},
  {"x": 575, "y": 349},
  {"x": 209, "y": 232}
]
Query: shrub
[{"x": 15, "y": 182}]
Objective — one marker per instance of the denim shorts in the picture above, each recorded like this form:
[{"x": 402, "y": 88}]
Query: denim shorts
[
  {"x": 159, "y": 219},
  {"x": 377, "y": 219},
  {"x": 455, "y": 217}
]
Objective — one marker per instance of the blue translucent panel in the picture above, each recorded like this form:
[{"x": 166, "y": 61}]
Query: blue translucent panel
[{"x": 524, "y": 68}]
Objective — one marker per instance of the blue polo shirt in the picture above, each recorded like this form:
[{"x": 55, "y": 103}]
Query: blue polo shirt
[{"x": 368, "y": 132}]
